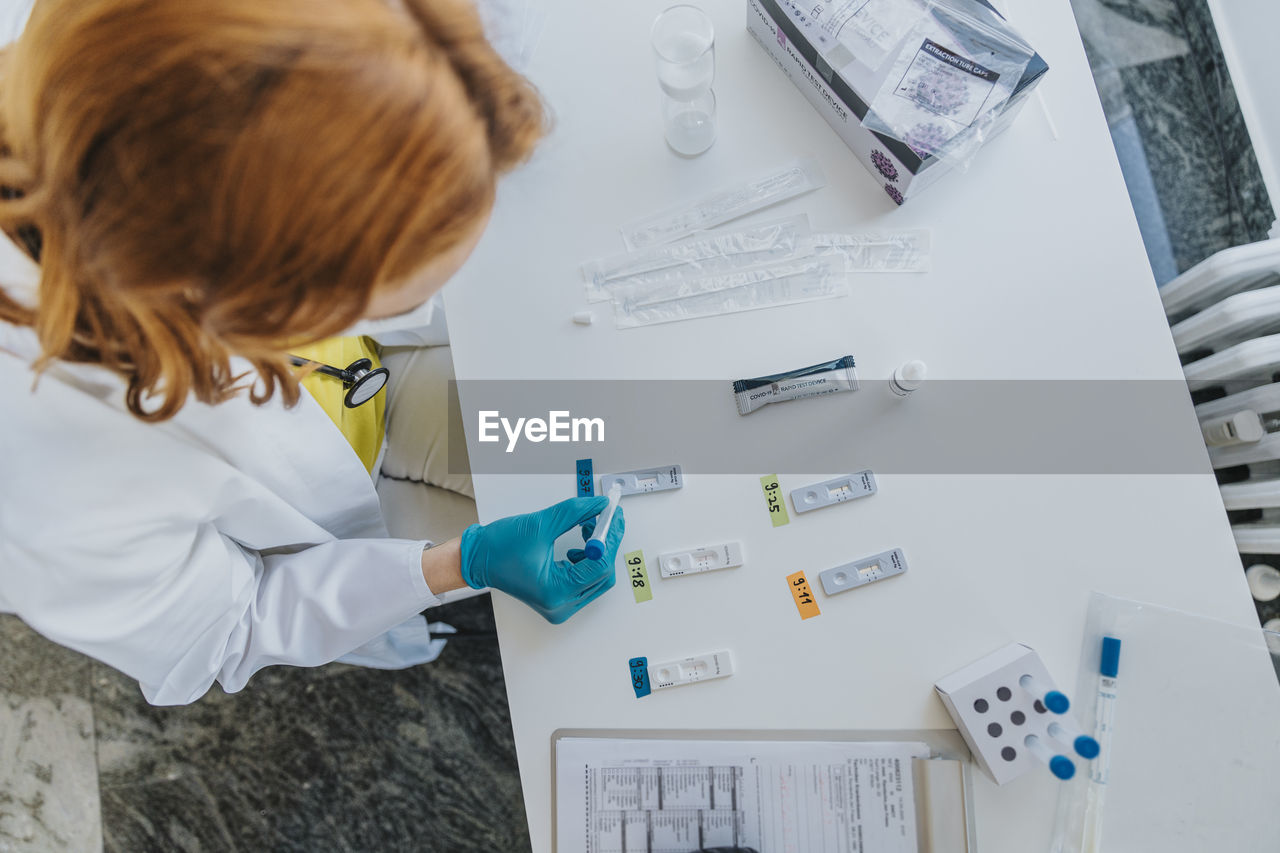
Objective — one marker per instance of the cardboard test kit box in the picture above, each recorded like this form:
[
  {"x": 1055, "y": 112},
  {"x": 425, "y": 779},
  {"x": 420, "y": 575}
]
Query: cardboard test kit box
[{"x": 843, "y": 102}]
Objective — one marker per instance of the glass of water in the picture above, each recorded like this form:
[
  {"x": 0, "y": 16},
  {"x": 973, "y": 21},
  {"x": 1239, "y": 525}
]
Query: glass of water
[
  {"x": 683, "y": 42},
  {"x": 690, "y": 126}
]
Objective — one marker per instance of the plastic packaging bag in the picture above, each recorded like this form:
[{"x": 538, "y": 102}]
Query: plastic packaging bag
[
  {"x": 697, "y": 257},
  {"x": 953, "y": 73},
  {"x": 1193, "y": 705},
  {"x": 725, "y": 205},
  {"x": 763, "y": 287},
  {"x": 886, "y": 251}
]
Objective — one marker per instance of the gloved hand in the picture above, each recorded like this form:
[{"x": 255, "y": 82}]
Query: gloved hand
[{"x": 515, "y": 555}]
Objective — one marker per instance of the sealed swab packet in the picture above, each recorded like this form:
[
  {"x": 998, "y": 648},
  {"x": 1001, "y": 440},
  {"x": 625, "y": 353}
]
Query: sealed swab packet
[
  {"x": 645, "y": 295},
  {"x": 885, "y": 251},
  {"x": 785, "y": 283},
  {"x": 698, "y": 256},
  {"x": 725, "y": 205},
  {"x": 817, "y": 380},
  {"x": 954, "y": 71}
]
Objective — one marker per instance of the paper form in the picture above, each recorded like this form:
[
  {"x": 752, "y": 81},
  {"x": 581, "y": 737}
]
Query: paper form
[{"x": 674, "y": 796}]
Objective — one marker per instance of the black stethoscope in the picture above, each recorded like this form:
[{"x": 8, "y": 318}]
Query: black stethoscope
[{"x": 362, "y": 380}]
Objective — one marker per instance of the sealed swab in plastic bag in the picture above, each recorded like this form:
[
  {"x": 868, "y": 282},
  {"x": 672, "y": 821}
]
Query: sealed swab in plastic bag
[
  {"x": 642, "y": 296},
  {"x": 724, "y": 205},
  {"x": 889, "y": 251},
  {"x": 780, "y": 284},
  {"x": 696, "y": 257}
]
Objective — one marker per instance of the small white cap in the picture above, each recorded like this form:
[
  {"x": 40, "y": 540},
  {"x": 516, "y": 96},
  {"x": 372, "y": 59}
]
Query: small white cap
[
  {"x": 584, "y": 318},
  {"x": 1243, "y": 427},
  {"x": 914, "y": 372},
  {"x": 910, "y": 376},
  {"x": 1264, "y": 582}
]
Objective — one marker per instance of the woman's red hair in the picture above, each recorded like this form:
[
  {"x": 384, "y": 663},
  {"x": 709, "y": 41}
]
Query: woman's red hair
[{"x": 208, "y": 178}]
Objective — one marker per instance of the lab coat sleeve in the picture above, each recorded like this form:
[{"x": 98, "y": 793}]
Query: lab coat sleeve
[
  {"x": 200, "y": 607},
  {"x": 311, "y": 607}
]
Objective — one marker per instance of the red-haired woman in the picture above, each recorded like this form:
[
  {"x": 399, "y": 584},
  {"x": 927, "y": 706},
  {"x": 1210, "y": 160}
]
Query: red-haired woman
[{"x": 197, "y": 193}]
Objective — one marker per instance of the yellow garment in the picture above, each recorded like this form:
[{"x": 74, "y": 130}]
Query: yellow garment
[{"x": 363, "y": 426}]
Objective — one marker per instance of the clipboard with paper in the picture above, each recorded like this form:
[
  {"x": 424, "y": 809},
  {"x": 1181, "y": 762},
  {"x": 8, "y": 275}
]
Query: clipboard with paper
[{"x": 618, "y": 791}]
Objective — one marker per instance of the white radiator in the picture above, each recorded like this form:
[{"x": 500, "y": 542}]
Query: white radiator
[{"x": 1225, "y": 317}]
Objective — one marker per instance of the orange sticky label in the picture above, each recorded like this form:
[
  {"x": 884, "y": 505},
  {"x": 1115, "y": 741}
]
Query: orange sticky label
[{"x": 800, "y": 591}]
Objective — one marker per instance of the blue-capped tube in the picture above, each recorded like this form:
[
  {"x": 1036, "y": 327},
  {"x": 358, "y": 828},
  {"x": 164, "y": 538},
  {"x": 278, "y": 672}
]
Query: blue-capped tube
[
  {"x": 595, "y": 545},
  {"x": 1061, "y": 766},
  {"x": 1055, "y": 700},
  {"x": 1066, "y": 732}
]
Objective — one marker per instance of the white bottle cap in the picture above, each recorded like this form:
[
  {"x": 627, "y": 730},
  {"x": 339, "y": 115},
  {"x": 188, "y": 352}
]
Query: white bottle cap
[
  {"x": 1264, "y": 582},
  {"x": 584, "y": 318},
  {"x": 908, "y": 378},
  {"x": 911, "y": 375},
  {"x": 1243, "y": 427}
]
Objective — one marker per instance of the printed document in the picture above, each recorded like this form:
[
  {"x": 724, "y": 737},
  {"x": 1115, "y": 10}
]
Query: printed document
[{"x": 678, "y": 796}]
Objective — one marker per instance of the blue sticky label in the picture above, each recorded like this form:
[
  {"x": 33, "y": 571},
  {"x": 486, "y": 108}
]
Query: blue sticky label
[
  {"x": 586, "y": 480},
  {"x": 640, "y": 676}
]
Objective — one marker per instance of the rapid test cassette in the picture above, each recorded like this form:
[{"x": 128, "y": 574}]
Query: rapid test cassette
[
  {"x": 862, "y": 572},
  {"x": 644, "y": 480},
  {"x": 834, "y": 491},
  {"x": 691, "y": 669},
  {"x": 706, "y": 559}
]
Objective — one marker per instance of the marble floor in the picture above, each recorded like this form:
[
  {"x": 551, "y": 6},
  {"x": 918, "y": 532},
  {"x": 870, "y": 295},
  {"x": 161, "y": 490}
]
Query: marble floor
[
  {"x": 336, "y": 758},
  {"x": 345, "y": 759}
]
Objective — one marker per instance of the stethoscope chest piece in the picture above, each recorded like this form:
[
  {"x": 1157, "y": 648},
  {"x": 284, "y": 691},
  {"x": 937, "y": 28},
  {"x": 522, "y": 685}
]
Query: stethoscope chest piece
[
  {"x": 362, "y": 380},
  {"x": 368, "y": 381}
]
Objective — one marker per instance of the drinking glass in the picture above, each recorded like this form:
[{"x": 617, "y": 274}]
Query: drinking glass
[{"x": 683, "y": 42}]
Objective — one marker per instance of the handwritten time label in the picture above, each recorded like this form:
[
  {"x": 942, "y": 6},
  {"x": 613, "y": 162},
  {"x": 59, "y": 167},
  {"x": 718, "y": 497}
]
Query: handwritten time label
[
  {"x": 586, "y": 485},
  {"x": 774, "y": 500},
  {"x": 800, "y": 591},
  {"x": 640, "y": 676},
  {"x": 639, "y": 576}
]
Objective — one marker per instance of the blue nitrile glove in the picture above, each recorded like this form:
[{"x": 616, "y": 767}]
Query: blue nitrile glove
[{"x": 516, "y": 555}]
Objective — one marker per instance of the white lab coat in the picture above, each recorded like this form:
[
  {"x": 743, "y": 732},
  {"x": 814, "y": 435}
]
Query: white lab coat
[{"x": 202, "y": 549}]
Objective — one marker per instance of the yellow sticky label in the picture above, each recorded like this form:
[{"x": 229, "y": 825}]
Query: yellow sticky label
[
  {"x": 639, "y": 575},
  {"x": 774, "y": 500},
  {"x": 804, "y": 597}
]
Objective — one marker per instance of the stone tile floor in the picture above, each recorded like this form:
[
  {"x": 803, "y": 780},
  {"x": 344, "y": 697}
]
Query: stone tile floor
[{"x": 341, "y": 758}]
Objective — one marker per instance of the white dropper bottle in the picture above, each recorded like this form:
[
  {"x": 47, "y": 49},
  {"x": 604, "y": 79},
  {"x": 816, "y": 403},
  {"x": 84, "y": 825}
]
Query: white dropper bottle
[{"x": 907, "y": 378}]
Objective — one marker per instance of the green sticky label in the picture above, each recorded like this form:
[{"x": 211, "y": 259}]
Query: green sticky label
[
  {"x": 774, "y": 500},
  {"x": 639, "y": 576}
]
